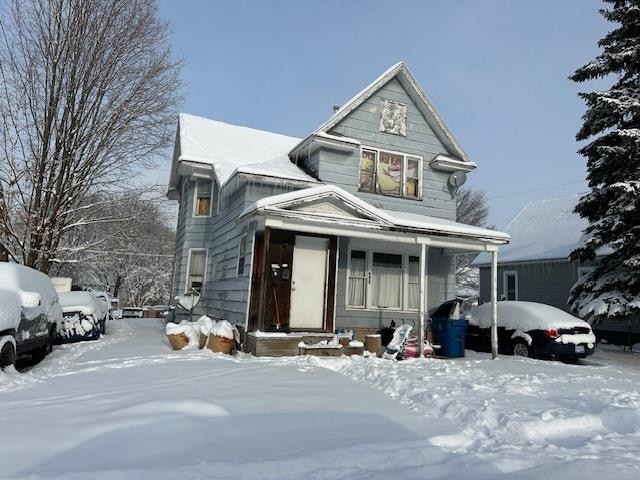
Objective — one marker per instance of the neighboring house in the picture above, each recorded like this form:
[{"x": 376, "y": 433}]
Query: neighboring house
[
  {"x": 329, "y": 231},
  {"x": 535, "y": 267}
]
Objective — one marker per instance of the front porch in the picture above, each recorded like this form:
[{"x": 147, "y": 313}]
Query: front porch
[{"x": 324, "y": 260}]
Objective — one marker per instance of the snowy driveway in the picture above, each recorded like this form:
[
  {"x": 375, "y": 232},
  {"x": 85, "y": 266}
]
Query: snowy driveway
[{"x": 128, "y": 407}]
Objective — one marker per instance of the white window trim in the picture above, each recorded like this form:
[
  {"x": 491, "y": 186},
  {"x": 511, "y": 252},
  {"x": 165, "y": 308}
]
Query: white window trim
[
  {"x": 505, "y": 274},
  {"x": 204, "y": 276},
  {"x": 240, "y": 238},
  {"x": 404, "y": 293},
  {"x": 195, "y": 199},
  {"x": 404, "y": 155}
]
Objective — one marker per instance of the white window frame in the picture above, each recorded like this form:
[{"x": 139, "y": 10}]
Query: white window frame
[
  {"x": 195, "y": 198},
  {"x": 403, "y": 187},
  {"x": 505, "y": 291},
  {"x": 241, "y": 238},
  {"x": 367, "y": 277},
  {"x": 582, "y": 271},
  {"x": 204, "y": 275},
  {"x": 404, "y": 293}
]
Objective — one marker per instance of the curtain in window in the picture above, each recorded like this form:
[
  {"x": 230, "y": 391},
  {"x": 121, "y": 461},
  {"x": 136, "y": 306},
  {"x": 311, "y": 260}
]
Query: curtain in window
[
  {"x": 390, "y": 173},
  {"x": 357, "y": 279},
  {"x": 386, "y": 280},
  {"x": 203, "y": 202},
  {"x": 414, "y": 282},
  {"x": 367, "y": 171},
  {"x": 196, "y": 270}
]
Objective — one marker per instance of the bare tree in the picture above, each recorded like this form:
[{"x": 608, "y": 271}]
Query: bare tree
[
  {"x": 131, "y": 257},
  {"x": 88, "y": 90},
  {"x": 471, "y": 209}
]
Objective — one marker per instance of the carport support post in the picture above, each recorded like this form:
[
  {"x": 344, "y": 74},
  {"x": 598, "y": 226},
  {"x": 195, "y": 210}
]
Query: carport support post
[
  {"x": 494, "y": 304},
  {"x": 423, "y": 296}
]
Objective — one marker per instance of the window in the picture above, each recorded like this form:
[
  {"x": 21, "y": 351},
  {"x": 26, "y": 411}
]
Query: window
[
  {"x": 358, "y": 279},
  {"x": 412, "y": 179},
  {"x": 202, "y": 198},
  {"x": 368, "y": 171},
  {"x": 414, "y": 283},
  {"x": 390, "y": 173},
  {"x": 196, "y": 270},
  {"x": 510, "y": 287},
  {"x": 380, "y": 280},
  {"x": 242, "y": 250}
]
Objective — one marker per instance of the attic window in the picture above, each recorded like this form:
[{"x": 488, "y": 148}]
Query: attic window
[
  {"x": 390, "y": 173},
  {"x": 202, "y": 198}
]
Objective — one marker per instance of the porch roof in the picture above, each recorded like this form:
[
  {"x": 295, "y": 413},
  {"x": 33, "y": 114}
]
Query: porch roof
[{"x": 370, "y": 216}]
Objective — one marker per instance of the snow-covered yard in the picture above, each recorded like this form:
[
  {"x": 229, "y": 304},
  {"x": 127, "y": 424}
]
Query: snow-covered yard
[{"x": 128, "y": 407}]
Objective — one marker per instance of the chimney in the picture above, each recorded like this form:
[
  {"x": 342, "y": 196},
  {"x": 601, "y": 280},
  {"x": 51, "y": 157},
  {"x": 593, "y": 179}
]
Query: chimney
[{"x": 336, "y": 108}]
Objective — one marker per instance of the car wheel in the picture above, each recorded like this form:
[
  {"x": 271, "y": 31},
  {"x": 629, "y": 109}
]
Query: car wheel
[
  {"x": 521, "y": 349},
  {"x": 7, "y": 354}
]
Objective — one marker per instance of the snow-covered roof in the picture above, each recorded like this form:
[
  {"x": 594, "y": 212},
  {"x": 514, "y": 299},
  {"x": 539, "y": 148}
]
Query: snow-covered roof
[
  {"x": 387, "y": 218},
  {"x": 542, "y": 230},
  {"x": 232, "y": 148},
  {"x": 408, "y": 81}
]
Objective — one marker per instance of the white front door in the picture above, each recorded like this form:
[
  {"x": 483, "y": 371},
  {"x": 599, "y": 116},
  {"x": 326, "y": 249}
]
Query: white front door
[{"x": 308, "y": 281}]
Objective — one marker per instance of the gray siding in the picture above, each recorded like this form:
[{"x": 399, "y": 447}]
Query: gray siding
[
  {"x": 342, "y": 169},
  {"x": 544, "y": 282},
  {"x": 225, "y": 294},
  {"x": 440, "y": 287}
]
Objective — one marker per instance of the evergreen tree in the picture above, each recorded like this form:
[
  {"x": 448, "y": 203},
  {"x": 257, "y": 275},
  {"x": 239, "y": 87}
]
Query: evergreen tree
[{"x": 612, "y": 207}]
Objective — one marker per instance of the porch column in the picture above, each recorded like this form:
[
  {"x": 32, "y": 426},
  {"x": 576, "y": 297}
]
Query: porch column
[
  {"x": 423, "y": 296},
  {"x": 494, "y": 304}
]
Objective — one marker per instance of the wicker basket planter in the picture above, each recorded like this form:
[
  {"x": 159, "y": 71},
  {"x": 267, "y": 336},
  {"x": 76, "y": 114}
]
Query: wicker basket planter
[
  {"x": 203, "y": 340},
  {"x": 221, "y": 344},
  {"x": 178, "y": 341}
]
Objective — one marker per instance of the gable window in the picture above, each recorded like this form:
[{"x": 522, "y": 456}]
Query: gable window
[
  {"x": 510, "y": 287},
  {"x": 390, "y": 173},
  {"x": 196, "y": 268},
  {"x": 412, "y": 178},
  {"x": 368, "y": 171},
  {"x": 383, "y": 280},
  {"x": 202, "y": 198},
  {"x": 242, "y": 250}
]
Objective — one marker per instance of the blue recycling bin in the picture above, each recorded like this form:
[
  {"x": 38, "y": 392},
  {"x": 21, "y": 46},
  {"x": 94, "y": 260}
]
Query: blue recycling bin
[{"x": 449, "y": 334}]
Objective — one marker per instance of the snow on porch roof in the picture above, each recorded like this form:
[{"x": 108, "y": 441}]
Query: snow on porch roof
[
  {"x": 232, "y": 148},
  {"x": 391, "y": 218},
  {"x": 542, "y": 230}
]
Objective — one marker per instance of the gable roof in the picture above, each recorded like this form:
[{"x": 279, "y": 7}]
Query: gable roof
[
  {"x": 415, "y": 91},
  {"x": 542, "y": 230},
  {"x": 382, "y": 217},
  {"x": 231, "y": 148}
]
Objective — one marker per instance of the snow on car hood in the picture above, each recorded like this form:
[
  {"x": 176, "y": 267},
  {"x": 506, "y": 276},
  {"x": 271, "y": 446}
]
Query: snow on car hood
[
  {"x": 84, "y": 302},
  {"x": 10, "y": 306},
  {"x": 34, "y": 291},
  {"x": 524, "y": 316}
]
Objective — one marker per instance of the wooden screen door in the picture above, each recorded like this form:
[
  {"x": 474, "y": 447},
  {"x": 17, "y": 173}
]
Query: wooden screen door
[{"x": 308, "y": 282}]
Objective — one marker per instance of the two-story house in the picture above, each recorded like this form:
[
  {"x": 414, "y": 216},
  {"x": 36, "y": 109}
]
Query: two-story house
[{"x": 350, "y": 227}]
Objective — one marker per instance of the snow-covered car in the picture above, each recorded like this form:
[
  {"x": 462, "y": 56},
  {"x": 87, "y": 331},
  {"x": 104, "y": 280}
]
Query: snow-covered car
[
  {"x": 85, "y": 316},
  {"x": 112, "y": 302},
  {"x": 531, "y": 329},
  {"x": 29, "y": 313}
]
